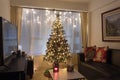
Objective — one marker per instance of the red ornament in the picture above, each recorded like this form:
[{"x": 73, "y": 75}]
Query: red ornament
[{"x": 55, "y": 67}]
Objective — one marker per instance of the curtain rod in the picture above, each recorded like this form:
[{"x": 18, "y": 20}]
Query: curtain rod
[{"x": 51, "y": 9}]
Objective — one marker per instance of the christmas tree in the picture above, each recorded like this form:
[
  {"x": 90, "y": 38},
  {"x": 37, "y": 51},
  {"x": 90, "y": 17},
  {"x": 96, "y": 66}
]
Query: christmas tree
[{"x": 57, "y": 46}]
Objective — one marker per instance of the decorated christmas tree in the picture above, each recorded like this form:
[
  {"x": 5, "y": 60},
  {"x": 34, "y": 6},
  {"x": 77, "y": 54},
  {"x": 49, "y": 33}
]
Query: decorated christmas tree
[{"x": 57, "y": 46}]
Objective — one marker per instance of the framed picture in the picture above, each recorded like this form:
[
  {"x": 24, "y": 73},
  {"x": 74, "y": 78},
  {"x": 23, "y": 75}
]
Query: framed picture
[{"x": 111, "y": 25}]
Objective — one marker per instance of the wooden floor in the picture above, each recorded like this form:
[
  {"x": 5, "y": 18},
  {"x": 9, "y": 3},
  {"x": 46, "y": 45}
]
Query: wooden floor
[
  {"x": 41, "y": 66},
  {"x": 39, "y": 72}
]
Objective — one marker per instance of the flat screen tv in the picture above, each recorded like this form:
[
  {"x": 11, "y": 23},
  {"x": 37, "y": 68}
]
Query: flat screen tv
[{"x": 8, "y": 40}]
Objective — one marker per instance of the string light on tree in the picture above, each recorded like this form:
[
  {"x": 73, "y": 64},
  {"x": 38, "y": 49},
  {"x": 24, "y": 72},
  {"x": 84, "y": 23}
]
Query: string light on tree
[{"x": 57, "y": 46}]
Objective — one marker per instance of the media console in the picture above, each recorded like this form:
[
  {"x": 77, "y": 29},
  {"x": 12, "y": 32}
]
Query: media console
[{"x": 18, "y": 69}]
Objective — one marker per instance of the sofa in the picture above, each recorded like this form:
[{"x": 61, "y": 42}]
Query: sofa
[{"x": 101, "y": 71}]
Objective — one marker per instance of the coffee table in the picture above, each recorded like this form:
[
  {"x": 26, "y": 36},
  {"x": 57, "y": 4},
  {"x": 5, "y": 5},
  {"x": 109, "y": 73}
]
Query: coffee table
[{"x": 64, "y": 75}]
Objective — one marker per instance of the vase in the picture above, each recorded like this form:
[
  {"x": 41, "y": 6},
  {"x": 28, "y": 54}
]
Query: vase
[{"x": 55, "y": 66}]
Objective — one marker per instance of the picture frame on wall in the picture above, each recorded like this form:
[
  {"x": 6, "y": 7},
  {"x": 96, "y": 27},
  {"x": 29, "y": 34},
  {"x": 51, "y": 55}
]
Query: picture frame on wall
[{"x": 111, "y": 25}]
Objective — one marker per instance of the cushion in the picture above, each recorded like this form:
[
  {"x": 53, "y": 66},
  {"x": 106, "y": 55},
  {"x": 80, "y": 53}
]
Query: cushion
[
  {"x": 89, "y": 53},
  {"x": 101, "y": 54}
]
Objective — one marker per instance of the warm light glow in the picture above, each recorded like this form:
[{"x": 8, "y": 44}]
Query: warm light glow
[
  {"x": 32, "y": 56},
  {"x": 19, "y": 47},
  {"x": 34, "y": 12},
  {"x": 56, "y": 69},
  {"x": 55, "y": 76},
  {"x": 38, "y": 20},
  {"x": 70, "y": 12},
  {"x": 47, "y": 12},
  {"x": 74, "y": 26},
  {"x": 76, "y": 19},
  {"x": 60, "y": 13},
  {"x": 27, "y": 11},
  {"x": 55, "y": 12}
]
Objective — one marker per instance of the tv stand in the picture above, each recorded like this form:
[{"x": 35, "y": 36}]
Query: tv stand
[
  {"x": 17, "y": 69},
  {"x": 4, "y": 66}
]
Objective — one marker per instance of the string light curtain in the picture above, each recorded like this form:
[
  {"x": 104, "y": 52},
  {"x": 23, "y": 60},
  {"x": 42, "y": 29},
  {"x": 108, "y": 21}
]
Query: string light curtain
[{"x": 37, "y": 25}]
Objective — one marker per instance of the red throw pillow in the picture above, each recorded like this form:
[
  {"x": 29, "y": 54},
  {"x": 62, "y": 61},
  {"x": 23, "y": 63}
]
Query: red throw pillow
[
  {"x": 101, "y": 54},
  {"x": 89, "y": 53}
]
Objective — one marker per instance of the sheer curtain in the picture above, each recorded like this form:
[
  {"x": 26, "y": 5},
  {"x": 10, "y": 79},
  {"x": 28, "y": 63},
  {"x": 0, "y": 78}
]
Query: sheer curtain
[{"x": 36, "y": 29}]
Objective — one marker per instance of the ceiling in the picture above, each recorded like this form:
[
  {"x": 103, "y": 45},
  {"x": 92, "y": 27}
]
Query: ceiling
[{"x": 80, "y": 1}]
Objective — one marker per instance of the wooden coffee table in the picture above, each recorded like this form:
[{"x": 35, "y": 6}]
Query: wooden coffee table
[{"x": 64, "y": 75}]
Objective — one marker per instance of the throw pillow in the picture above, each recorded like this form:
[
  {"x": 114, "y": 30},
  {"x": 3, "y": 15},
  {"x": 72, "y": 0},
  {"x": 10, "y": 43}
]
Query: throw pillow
[
  {"x": 101, "y": 54},
  {"x": 89, "y": 53}
]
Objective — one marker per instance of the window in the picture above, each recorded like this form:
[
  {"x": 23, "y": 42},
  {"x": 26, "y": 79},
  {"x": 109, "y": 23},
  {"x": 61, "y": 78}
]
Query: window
[{"x": 37, "y": 25}]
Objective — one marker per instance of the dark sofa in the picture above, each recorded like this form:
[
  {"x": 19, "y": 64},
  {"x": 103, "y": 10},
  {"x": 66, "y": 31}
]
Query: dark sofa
[{"x": 101, "y": 71}]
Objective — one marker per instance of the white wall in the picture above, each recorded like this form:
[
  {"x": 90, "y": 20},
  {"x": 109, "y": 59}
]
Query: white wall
[
  {"x": 54, "y": 4},
  {"x": 96, "y": 8},
  {"x": 5, "y": 9}
]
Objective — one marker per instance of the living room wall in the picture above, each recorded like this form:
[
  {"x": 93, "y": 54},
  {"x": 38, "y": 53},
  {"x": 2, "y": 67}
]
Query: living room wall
[
  {"x": 5, "y": 9},
  {"x": 96, "y": 8}
]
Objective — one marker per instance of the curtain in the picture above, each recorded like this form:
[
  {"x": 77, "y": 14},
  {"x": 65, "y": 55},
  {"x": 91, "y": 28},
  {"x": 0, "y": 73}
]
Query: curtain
[
  {"x": 84, "y": 27},
  {"x": 36, "y": 28},
  {"x": 16, "y": 16},
  {"x": 85, "y": 31}
]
